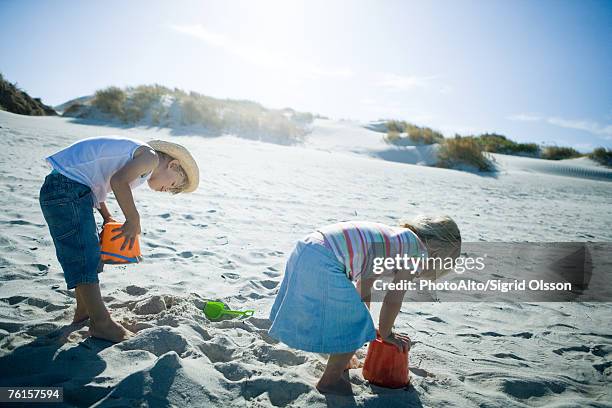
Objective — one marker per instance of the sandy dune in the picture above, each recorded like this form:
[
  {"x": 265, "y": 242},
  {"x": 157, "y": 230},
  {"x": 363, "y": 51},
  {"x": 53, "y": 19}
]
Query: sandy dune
[{"x": 229, "y": 241}]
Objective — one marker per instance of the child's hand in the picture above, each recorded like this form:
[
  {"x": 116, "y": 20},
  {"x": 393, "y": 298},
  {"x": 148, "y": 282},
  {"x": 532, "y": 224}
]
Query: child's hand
[
  {"x": 401, "y": 341},
  {"x": 129, "y": 230},
  {"x": 108, "y": 219}
]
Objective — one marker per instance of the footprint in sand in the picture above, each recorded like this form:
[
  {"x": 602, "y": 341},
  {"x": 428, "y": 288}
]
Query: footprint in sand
[
  {"x": 601, "y": 368},
  {"x": 133, "y": 290},
  {"x": 153, "y": 305},
  {"x": 579, "y": 349},
  {"x": 525, "y": 335},
  {"x": 262, "y": 324},
  {"x": 508, "y": 355},
  {"x": 46, "y": 305},
  {"x": 201, "y": 331},
  {"x": 156, "y": 340},
  {"x": 527, "y": 388},
  {"x": 268, "y": 284},
  {"x": 601, "y": 350},
  {"x": 284, "y": 358},
  {"x": 13, "y": 300},
  {"x": 272, "y": 272},
  {"x": 230, "y": 276},
  {"x": 280, "y": 392},
  {"x": 41, "y": 267},
  {"x": 216, "y": 353},
  {"x": 233, "y": 371}
]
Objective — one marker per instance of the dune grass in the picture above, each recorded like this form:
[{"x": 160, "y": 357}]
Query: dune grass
[
  {"x": 602, "y": 156},
  {"x": 461, "y": 151},
  {"x": 559, "y": 153},
  {"x": 472, "y": 149},
  {"x": 165, "y": 107},
  {"x": 496, "y": 143},
  {"x": 414, "y": 135}
]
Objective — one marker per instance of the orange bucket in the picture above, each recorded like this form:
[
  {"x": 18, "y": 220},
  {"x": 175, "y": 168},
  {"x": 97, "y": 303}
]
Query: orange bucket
[
  {"x": 385, "y": 365},
  {"x": 111, "y": 252}
]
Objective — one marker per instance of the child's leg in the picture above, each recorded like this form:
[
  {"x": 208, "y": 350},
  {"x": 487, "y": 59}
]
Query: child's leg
[
  {"x": 332, "y": 381},
  {"x": 101, "y": 325},
  {"x": 80, "y": 314}
]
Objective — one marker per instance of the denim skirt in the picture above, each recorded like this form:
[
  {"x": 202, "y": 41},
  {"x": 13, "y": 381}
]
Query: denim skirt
[
  {"x": 68, "y": 208},
  {"x": 317, "y": 307}
]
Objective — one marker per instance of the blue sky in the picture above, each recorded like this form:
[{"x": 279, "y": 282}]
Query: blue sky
[{"x": 537, "y": 71}]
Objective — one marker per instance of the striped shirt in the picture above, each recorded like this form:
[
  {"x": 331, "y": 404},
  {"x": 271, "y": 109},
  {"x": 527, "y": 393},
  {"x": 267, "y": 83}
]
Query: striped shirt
[{"x": 357, "y": 243}]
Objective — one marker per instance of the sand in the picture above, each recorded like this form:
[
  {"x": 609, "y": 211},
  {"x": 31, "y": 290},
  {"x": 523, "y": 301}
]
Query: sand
[{"x": 229, "y": 241}]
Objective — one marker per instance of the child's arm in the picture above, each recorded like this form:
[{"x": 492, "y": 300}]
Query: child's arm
[
  {"x": 364, "y": 288},
  {"x": 390, "y": 309},
  {"x": 106, "y": 215},
  {"x": 143, "y": 162}
]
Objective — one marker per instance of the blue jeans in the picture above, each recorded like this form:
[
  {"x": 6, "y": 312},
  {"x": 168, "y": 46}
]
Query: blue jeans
[{"x": 68, "y": 209}]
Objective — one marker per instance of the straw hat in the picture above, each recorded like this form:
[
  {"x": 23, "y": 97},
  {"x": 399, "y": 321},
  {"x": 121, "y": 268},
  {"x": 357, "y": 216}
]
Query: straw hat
[{"x": 185, "y": 159}]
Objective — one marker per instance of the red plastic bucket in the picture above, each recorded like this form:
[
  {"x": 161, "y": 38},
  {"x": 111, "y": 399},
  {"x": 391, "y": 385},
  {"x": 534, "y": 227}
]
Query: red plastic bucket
[{"x": 385, "y": 365}]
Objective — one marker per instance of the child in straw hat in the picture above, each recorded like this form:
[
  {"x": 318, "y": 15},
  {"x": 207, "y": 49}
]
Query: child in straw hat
[{"x": 82, "y": 175}]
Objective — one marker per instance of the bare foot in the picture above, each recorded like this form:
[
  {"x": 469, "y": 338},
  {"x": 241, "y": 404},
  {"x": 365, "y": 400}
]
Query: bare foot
[
  {"x": 109, "y": 330},
  {"x": 80, "y": 315},
  {"x": 354, "y": 363},
  {"x": 341, "y": 386}
]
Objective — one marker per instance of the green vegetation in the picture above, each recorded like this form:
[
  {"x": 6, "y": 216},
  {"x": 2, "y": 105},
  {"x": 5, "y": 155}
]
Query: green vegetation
[
  {"x": 111, "y": 100},
  {"x": 495, "y": 143},
  {"x": 463, "y": 151},
  {"x": 559, "y": 153},
  {"x": 472, "y": 149},
  {"x": 414, "y": 135},
  {"x": 162, "y": 106},
  {"x": 602, "y": 155},
  {"x": 13, "y": 99}
]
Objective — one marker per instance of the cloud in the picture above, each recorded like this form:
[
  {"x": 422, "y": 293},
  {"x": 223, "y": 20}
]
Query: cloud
[
  {"x": 577, "y": 124},
  {"x": 258, "y": 56},
  {"x": 586, "y": 125}
]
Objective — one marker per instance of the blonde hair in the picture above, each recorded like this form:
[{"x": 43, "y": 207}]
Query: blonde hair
[
  {"x": 167, "y": 158},
  {"x": 440, "y": 234}
]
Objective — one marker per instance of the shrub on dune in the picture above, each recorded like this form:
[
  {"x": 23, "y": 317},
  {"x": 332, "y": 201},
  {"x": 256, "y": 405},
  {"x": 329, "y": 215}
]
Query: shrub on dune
[
  {"x": 463, "y": 151},
  {"x": 415, "y": 135},
  {"x": 392, "y": 137},
  {"x": 559, "y": 153},
  {"x": 495, "y": 143},
  {"x": 423, "y": 135},
  {"x": 196, "y": 113},
  {"x": 110, "y": 100},
  {"x": 602, "y": 155},
  {"x": 161, "y": 106},
  {"x": 140, "y": 100}
]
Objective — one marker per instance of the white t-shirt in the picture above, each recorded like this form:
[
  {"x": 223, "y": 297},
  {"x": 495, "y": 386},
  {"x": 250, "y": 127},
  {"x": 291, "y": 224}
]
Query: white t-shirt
[{"x": 94, "y": 160}]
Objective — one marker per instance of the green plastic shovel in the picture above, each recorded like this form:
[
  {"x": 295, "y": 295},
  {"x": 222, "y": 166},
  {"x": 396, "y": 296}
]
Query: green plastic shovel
[{"x": 216, "y": 310}]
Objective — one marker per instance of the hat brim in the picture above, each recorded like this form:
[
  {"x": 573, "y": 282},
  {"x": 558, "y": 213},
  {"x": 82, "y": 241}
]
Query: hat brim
[{"x": 185, "y": 159}]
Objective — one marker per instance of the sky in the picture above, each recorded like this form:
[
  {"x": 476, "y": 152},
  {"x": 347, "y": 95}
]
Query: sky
[{"x": 535, "y": 71}]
